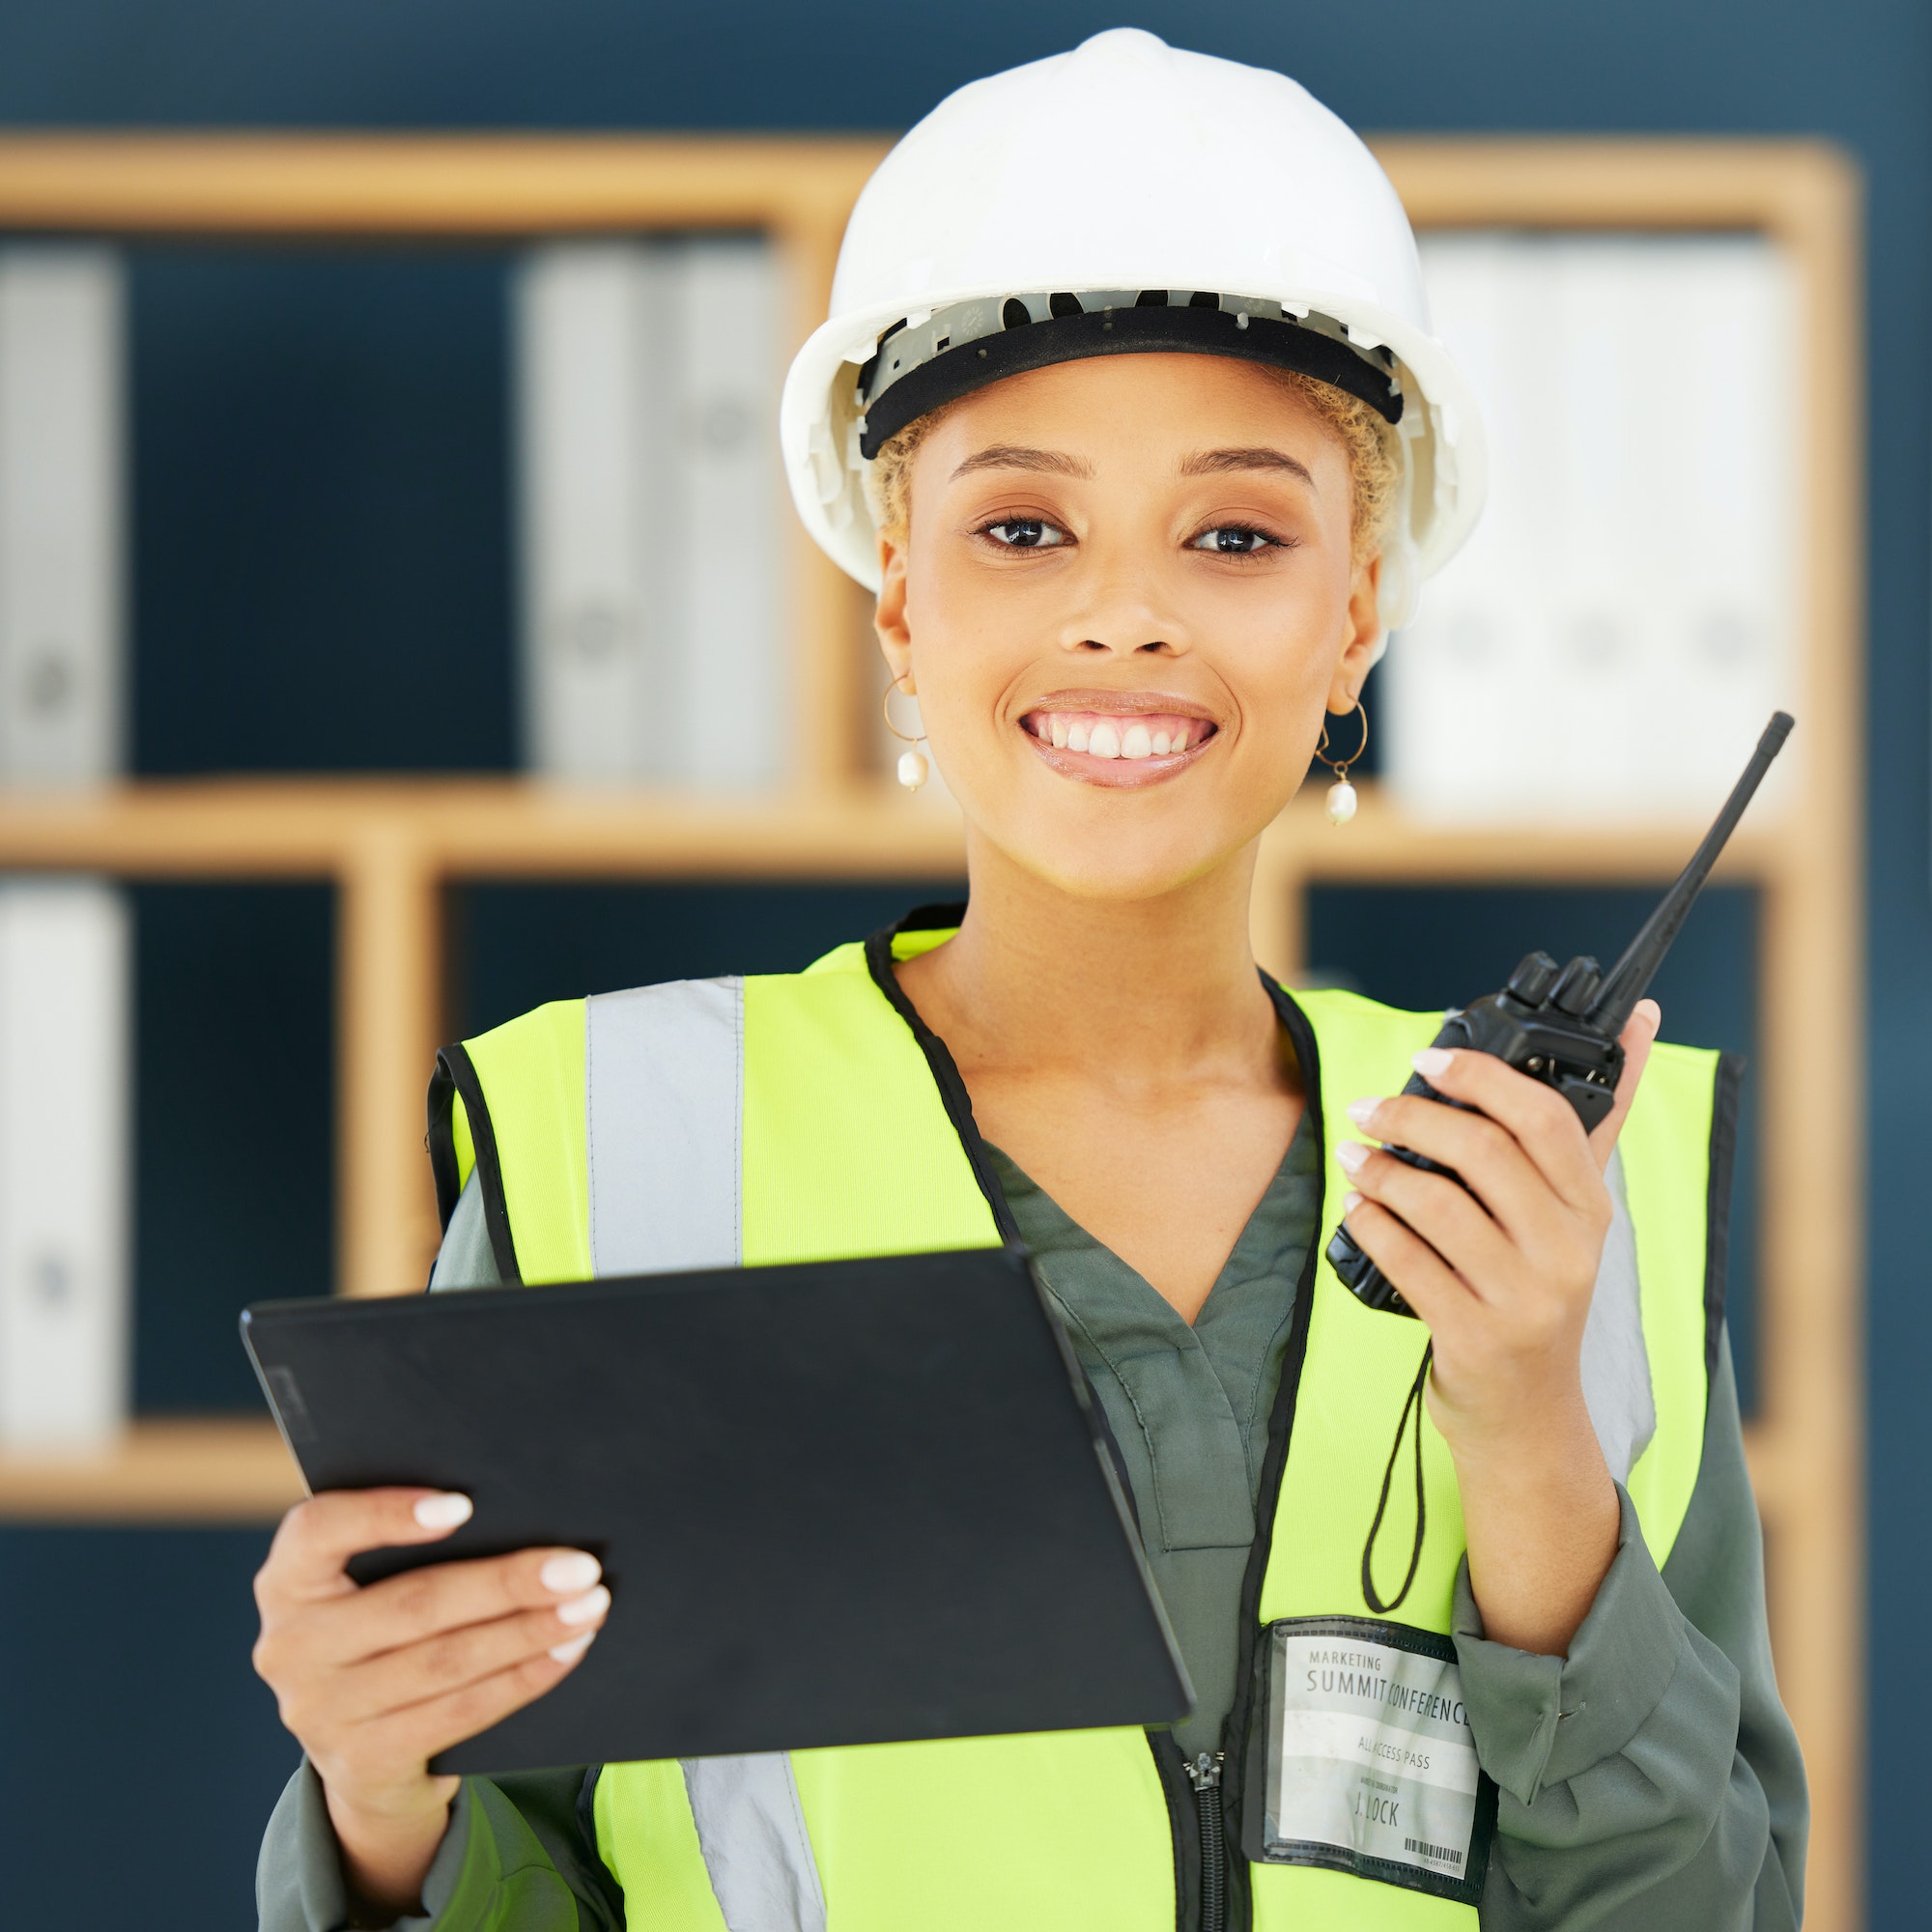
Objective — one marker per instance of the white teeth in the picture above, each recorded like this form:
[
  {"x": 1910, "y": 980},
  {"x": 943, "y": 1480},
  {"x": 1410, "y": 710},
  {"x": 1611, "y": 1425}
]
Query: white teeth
[{"x": 1111, "y": 738}]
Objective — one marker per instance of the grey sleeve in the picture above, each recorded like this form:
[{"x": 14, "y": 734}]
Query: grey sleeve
[
  {"x": 521, "y": 1852},
  {"x": 518, "y": 1857},
  {"x": 1650, "y": 1779}
]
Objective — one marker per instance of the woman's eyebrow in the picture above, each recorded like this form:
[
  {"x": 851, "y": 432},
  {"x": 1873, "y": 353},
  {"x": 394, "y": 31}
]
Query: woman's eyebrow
[
  {"x": 1214, "y": 461},
  {"x": 1016, "y": 456}
]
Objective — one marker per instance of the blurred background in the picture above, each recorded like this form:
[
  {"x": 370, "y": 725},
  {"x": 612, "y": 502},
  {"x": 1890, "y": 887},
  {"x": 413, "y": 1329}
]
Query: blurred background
[{"x": 488, "y": 523}]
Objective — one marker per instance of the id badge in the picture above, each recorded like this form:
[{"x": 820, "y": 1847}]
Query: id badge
[{"x": 1366, "y": 1763}]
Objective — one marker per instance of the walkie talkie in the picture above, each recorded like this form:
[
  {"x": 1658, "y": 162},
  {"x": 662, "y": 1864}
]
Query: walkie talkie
[{"x": 1561, "y": 1027}]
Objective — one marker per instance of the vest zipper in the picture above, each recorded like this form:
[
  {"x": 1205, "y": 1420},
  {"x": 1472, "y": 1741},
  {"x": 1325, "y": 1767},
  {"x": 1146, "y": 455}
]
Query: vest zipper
[
  {"x": 1225, "y": 1901},
  {"x": 1204, "y": 1776}
]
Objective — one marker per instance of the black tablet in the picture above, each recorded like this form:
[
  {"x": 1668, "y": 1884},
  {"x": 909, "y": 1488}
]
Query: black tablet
[{"x": 837, "y": 1503}]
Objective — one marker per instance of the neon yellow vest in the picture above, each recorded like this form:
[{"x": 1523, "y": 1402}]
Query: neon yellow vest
[{"x": 842, "y": 1144}]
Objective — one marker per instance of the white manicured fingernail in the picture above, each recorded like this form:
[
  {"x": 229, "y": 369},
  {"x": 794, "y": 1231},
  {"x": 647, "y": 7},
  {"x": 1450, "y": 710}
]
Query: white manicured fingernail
[
  {"x": 569, "y": 1653},
  {"x": 1431, "y": 1061},
  {"x": 445, "y": 1510},
  {"x": 575, "y": 1571},
  {"x": 1350, "y": 1201},
  {"x": 1361, "y": 1112},
  {"x": 1351, "y": 1154},
  {"x": 581, "y": 1610}
]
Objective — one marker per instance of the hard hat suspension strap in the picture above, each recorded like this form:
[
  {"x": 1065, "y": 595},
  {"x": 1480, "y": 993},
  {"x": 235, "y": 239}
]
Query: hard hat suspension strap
[{"x": 963, "y": 348}]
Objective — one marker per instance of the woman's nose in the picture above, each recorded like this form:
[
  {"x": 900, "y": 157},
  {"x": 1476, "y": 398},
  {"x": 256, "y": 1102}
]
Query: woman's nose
[{"x": 1125, "y": 622}]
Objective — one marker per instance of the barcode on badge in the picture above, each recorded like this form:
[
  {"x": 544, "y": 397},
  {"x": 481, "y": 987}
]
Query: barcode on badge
[{"x": 1428, "y": 1851}]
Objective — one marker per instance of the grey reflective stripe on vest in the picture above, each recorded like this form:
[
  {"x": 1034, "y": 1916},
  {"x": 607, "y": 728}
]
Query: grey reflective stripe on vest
[
  {"x": 663, "y": 1079},
  {"x": 662, "y": 1082},
  {"x": 752, "y": 1831},
  {"x": 1617, "y": 1363}
]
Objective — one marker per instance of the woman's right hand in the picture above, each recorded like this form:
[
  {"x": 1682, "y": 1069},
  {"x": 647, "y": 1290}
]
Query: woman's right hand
[{"x": 375, "y": 1680}]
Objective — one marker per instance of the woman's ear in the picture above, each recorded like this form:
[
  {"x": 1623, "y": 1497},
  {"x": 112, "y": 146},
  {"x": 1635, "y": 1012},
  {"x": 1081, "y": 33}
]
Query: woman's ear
[
  {"x": 889, "y": 613},
  {"x": 1362, "y": 635}
]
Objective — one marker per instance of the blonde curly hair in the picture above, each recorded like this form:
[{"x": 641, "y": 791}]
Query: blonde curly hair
[{"x": 1375, "y": 463}]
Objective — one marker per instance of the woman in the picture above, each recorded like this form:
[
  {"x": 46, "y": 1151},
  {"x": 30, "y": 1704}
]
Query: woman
[{"x": 1131, "y": 542}]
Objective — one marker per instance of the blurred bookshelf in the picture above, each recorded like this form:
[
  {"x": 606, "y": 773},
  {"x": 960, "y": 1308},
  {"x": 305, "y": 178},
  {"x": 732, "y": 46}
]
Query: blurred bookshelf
[{"x": 390, "y": 848}]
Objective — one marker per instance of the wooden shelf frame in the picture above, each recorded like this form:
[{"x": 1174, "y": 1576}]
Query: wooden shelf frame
[
  {"x": 435, "y": 189},
  {"x": 391, "y": 848}
]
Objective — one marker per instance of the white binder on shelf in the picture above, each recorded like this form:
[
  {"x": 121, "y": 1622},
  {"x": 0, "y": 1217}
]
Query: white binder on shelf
[
  {"x": 730, "y": 500},
  {"x": 64, "y": 1163},
  {"x": 1609, "y": 645},
  {"x": 592, "y": 394},
  {"x": 63, "y": 440},
  {"x": 651, "y": 507}
]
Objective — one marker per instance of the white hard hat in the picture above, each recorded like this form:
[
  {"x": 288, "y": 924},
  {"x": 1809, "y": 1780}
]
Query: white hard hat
[{"x": 1128, "y": 196}]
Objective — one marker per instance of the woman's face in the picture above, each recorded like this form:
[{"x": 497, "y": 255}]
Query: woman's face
[{"x": 1126, "y": 598}]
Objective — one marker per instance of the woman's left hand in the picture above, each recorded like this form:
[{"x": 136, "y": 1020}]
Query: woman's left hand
[{"x": 1502, "y": 1274}]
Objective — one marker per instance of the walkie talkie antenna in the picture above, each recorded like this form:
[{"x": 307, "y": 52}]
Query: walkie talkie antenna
[{"x": 1628, "y": 978}]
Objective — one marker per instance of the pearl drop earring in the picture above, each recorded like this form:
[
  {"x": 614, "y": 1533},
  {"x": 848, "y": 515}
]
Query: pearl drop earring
[
  {"x": 912, "y": 768},
  {"x": 1342, "y": 799}
]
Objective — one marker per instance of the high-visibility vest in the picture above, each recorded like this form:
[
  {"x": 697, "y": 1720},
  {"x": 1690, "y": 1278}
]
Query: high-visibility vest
[{"x": 796, "y": 1117}]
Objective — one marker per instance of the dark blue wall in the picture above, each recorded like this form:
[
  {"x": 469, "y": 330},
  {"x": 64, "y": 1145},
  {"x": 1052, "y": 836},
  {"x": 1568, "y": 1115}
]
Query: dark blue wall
[{"x": 321, "y": 581}]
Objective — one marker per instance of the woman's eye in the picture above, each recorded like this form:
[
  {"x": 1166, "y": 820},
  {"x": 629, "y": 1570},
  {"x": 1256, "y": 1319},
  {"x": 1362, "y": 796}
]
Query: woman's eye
[
  {"x": 1233, "y": 540},
  {"x": 1025, "y": 534}
]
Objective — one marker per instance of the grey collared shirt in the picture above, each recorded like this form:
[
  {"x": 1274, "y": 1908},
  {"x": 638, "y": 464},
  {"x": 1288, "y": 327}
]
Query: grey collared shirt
[{"x": 1188, "y": 1406}]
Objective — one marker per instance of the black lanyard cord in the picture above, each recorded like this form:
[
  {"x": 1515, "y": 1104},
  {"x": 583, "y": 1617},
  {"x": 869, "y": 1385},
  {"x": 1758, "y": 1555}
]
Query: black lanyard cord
[{"x": 1413, "y": 1400}]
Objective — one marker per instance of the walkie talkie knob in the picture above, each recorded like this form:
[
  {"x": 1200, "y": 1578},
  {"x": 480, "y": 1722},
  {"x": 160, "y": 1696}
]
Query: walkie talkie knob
[
  {"x": 1530, "y": 983},
  {"x": 1576, "y": 985}
]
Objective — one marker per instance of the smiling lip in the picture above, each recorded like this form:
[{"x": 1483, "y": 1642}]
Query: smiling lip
[{"x": 1119, "y": 740}]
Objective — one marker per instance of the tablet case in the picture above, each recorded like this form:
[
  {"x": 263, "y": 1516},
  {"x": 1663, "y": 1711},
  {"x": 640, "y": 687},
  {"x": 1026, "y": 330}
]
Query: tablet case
[{"x": 837, "y": 1502}]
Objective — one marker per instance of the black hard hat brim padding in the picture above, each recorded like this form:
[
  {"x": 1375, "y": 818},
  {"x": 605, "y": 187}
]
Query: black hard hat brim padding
[{"x": 1124, "y": 332}]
